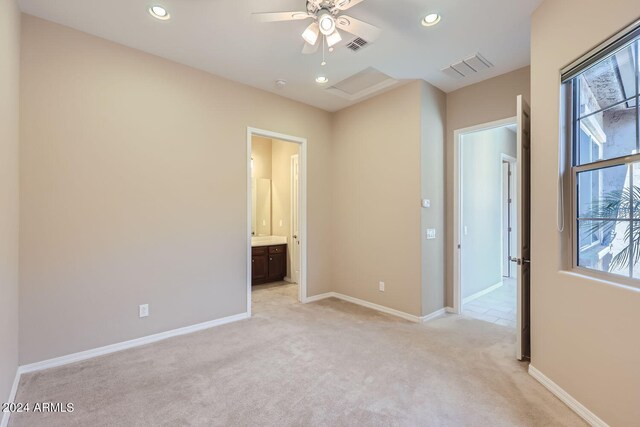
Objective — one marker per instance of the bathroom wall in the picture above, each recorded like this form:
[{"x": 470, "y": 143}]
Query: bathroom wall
[{"x": 261, "y": 155}]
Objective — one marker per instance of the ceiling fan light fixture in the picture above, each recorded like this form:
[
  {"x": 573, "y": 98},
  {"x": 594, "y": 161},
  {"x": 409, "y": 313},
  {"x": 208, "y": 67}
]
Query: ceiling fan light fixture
[
  {"x": 159, "y": 12},
  {"x": 326, "y": 22},
  {"x": 334, "y": 39},
  {"x": 431, "y": 19},
  {"x": 311, "y": 34}
]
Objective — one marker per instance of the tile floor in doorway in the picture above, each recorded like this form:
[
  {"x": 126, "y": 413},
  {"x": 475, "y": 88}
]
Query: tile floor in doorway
[{"x": 498, "y": 306}]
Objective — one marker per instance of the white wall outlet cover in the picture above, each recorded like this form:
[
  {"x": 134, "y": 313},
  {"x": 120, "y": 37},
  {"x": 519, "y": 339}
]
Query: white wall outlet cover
[
  {"x": 381, "y": 286},
  {"x": 144, "y": 310},
  {"x": 431, "y": 233},
  {"x": 426, "y": 203}
]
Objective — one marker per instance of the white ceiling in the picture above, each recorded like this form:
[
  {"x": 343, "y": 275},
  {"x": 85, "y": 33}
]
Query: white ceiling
[{"x": 219, "y": 36}]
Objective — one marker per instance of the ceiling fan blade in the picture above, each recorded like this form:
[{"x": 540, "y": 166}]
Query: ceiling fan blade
[
  {"x": 280, "y": 16},
  {"x": 347, "y": 4},
  {"x": 311, "y": 49},
  {"x": 358, "y": 28}
]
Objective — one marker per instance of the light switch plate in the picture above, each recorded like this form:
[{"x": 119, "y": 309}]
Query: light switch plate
[
  {"x": 426, "y": 203},
  {"x": 144, "y": 310},
  {"x": 431, "y": 233}
]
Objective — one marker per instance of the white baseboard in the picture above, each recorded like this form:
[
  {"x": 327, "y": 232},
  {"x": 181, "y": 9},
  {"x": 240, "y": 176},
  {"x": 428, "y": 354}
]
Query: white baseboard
[
  {"x": 482, "y": 292},
  {"x": 319, "y": 297},
  {"x": 377, "y": 307},
  {"x": 434, "y": 315},
  {"x": 380, "y": 308},
  {"x": 12, "y": 397},
  {"x": 100, "y": 351},
  {"x": 450, "y": 310},
  {"x": 567, "y": 399}
]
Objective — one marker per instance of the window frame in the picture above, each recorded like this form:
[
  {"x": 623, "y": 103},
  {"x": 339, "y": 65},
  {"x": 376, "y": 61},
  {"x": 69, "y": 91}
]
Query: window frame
[{"x": 572, "y": 118}]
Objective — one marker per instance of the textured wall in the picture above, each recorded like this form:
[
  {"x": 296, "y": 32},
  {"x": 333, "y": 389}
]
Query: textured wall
[
  {"x": 584, "y": 331},
  {"x": 9, "y": 119},
  {"x": 484, "y": 102},
  {"x": 134, "y": 188}
]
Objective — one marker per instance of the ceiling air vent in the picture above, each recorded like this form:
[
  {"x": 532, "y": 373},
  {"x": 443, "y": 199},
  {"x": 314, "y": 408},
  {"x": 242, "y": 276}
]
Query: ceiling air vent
[
  {"x": 467, "y": 67},
  {"x": 357, "y": 44}
]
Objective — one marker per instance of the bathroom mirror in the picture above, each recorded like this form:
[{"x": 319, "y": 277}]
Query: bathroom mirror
[{"x": 261, "y": 207}]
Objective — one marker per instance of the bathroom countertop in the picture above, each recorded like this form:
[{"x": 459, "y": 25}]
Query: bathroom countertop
[{"x": 268, "y": 241}]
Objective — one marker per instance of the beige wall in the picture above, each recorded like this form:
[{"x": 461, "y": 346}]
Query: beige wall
[
  {"x": 377, "y": 186},
  {"x": 9, "y": 203},
  {"x": 483, "y": 102},
  {"x": 433, "y": 186},
  {"x": 133, "y": 191},
  {"x": 584, "y": 331}
]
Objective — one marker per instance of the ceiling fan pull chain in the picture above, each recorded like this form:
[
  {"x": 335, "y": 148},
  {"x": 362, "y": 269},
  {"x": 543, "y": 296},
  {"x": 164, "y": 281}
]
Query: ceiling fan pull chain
[{"x": 324, "y": 39}]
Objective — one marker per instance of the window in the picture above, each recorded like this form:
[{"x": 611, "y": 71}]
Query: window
[{"x": 603, "y": 93}]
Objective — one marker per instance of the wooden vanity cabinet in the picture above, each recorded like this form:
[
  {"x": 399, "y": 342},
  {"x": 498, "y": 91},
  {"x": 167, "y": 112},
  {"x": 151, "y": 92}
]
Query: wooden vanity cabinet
[{"x": 268, "y": 264}]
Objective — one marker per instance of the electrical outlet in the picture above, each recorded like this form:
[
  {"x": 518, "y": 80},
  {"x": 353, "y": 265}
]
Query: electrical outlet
[
  {"x": 144, "y": 310},
  {"x": 381, "y": 286}
]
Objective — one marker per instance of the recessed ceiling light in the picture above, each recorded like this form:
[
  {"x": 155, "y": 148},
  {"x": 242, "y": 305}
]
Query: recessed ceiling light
[
  {"x": 322, "y": 80},
  {"x": 431, "y": 19},
  {"x": 159, "y": 12}
]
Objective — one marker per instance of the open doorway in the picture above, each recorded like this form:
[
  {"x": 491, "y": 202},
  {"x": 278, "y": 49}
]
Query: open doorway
[
  {"x": 492, "y": 224},
  {"x": 487, "y": 287},
  {"x": 276, "y": 215}
]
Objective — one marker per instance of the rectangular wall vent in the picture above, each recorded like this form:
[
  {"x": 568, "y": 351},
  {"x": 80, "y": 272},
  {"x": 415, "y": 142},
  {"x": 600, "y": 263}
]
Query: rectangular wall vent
[
  {"x": 357, "y": 44},
  {"x": 467, "y": 67}
]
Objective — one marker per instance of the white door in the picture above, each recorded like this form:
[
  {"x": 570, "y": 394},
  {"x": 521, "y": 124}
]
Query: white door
[
  {"x": 522, "y": 259},
  {"x": 294, "y": 249}
]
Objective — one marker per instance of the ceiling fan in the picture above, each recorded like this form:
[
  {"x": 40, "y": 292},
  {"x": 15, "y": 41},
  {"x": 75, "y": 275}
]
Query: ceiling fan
[{"x": 328, "y": 18}]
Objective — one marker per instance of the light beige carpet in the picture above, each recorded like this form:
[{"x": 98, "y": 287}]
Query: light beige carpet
[{"x": 329, "y": 363}]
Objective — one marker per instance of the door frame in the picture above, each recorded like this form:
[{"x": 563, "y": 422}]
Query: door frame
[
  {"x": 293, "y": 276},
  {"x": 457, "y": 201},
  {"x": 302, "y": 200}
]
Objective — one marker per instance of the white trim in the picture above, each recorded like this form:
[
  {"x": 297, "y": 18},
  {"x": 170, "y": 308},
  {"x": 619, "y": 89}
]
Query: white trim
[
  {"x": 302, "y": 288},
  {"x": 319, "y": 297},
  {"x": 434, "y": 315},
  {"x": 457, "y": 200},
  {"x": 482, "y": 292},
  {"x": 108, "y": 349},
  {"x": 377, "y": 307},
  {"x": 12, "y": 397},
  {"x": 381, "y": 308},
  {"x": 567, "y": 399}
]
